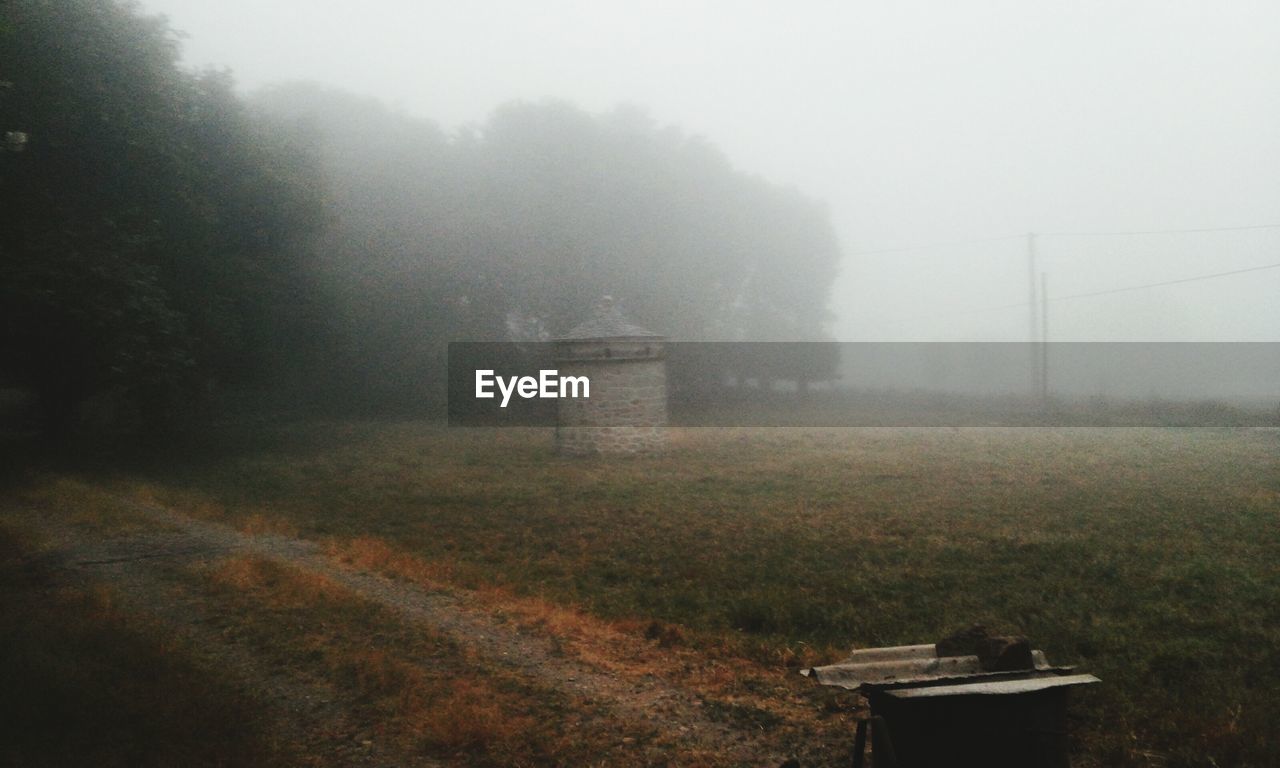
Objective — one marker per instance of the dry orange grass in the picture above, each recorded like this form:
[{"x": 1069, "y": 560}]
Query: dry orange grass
[
  {"x": 277, "y": 584},
  {"x": 193, "y": 503},
  {"x": 575, "y": 630},
  {"x": 253, "y": 519},
  {"x": 469, "y": 715},
  {"x": 632, "y": 648},
  {"x": 423, "y": 692},
  {"x": 266, "y": 524},
  {"x": 375, "y": 554}
]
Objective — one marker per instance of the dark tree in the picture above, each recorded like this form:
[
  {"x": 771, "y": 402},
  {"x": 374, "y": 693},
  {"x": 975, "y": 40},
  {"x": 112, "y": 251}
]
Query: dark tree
[{"x": 154, "y": 235}]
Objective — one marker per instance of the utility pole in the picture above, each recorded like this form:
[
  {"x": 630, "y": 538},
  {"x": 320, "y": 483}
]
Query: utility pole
[
  {"x": 1034, "y": 331},
  {"x": 1044, "y": 337}
]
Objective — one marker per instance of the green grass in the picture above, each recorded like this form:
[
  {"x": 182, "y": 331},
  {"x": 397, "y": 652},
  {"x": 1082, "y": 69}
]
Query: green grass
[{"x": 1150, "y": 557}]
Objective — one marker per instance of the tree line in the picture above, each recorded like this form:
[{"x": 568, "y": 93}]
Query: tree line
[{"x": 170, "y": 246}]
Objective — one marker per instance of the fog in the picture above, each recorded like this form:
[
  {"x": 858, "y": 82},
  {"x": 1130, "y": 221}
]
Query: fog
[
  {"x": 916, "y": 123},
  {"x": 560, "y": 382}
]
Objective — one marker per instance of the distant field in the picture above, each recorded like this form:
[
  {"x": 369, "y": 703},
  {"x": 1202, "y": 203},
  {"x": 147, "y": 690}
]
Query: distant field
[{"x": 1149, "y": 557}]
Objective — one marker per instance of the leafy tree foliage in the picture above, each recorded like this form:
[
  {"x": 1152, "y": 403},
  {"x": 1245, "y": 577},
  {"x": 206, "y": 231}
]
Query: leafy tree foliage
[
  {"x": 512, "y": 229},
  {"x": 155, "y": 234},
  {"x": 163, "y": 239}
]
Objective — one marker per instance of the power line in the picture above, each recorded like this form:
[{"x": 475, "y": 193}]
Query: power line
[
  {"x": 1125, "y": 289},
  {"x": 1166, "y": 282}
]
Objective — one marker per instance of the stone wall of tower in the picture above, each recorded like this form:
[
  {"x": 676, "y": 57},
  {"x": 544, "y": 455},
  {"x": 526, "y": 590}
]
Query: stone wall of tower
[{"x": 626, "y": 412}]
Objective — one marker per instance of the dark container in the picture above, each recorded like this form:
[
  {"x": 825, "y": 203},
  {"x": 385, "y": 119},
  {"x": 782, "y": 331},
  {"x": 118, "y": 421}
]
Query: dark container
[{"x": 929, "y": 710}]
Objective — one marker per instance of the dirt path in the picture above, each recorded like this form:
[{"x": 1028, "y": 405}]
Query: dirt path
[
  {"x": 143, "y": 568},
  {"x": 141, "y": 562}
]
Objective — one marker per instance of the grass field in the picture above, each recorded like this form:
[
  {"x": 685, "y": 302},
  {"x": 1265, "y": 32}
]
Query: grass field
[{"x": 1149, "y": 557}]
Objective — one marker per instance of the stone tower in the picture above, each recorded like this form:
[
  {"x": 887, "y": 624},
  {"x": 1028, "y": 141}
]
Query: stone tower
[{"x": 626, "y": 412}]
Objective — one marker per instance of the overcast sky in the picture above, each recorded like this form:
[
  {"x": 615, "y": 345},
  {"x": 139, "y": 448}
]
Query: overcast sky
[{"x": 916, "y": 123}]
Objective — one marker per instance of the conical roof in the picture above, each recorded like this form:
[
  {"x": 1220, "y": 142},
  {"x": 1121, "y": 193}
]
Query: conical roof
[{"x": 607, "y": 322}]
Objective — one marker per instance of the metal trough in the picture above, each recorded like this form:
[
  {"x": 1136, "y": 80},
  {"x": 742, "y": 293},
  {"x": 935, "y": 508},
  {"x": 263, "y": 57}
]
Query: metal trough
[{"x": 1001, "y": 705}]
